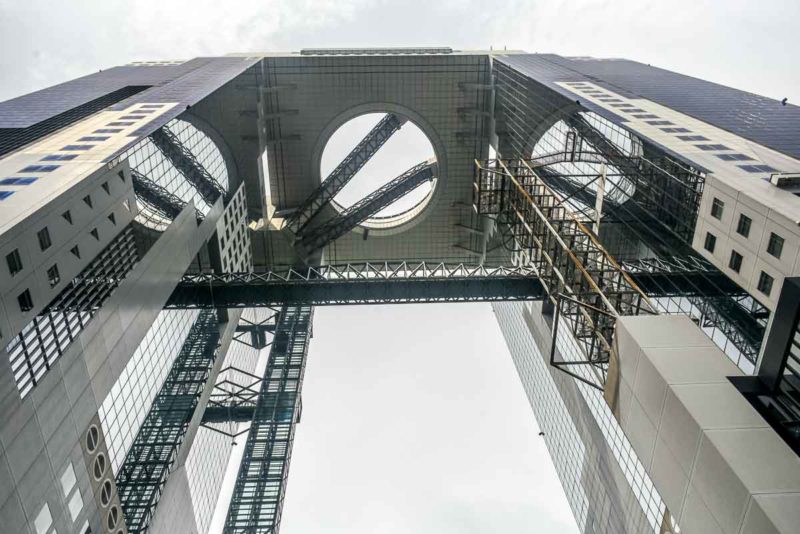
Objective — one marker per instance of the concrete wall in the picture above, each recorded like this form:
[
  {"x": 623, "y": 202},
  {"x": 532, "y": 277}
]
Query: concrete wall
[{"x": 718, "y": 465}]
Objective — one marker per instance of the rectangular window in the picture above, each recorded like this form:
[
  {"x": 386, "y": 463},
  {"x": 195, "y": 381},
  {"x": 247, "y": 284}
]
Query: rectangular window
[
  {"x": 59, "y": 157},
  {"x": 692, "y": 138},
  {"x": 77, "y": 147},
  {"x": 17, "y": 181},
  {"x": 5, "y": 194},
  {"x": 712, "y": 147},
  {"x": 765, "y": 282},
  {"x": 53, "y": 276},
  {"x": 107, "y": 130},
  {"x": 91, "y": 138},
  {"x": 711, "y": 242},
  {"x": 757, "y": 168},
  {"x": 717, "y": 206},
  {"x": 14, "y": 262},
  {"x": 659, "y": 123},
  {"x": 743, "y": 228},
  {"x": 132, "y": 117},
  {"x": 675, "y": 130},
  {"x": 735, "y": 262},
  {"x": 39, "y": 168},
  {"x": 25, "y": 301},
  {"x": 775, "y": 245},
  {"x": 734, "y": 157},
  {"x": 44, "y": 238},
  {"x": 120, "y": 123}
]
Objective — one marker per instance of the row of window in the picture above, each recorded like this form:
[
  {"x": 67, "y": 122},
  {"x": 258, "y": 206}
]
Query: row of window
[
  {"x": 765, "y": 281},
  {"x": 19, "y": 180},
  {"x": 775, "y": 243},
  {"x": 669, "y": 127}
]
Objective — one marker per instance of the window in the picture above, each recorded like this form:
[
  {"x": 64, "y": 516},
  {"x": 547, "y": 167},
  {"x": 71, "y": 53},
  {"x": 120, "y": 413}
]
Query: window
[
  {"x": 17, "y": 181},
  {"x": 25, "y": 301},
  {"x": 67, "y": 216},
  {"x": 112, "y": 218},
  {"x": 53, "y": 276},
  {"x": 711, "y": 242},
  {"x": 59, "y": 157},
  {"x": 743, "y": 228},
  {"x": 646, "y": 116},
  {"x": 132, "y": 117},
  {"x": 5, "y": 194},
  {"x": 712, "y": 147},
  {"x": 121, "y": 175},
  {"x": 765, "y": 282},
  {"x": 120, "y": 123},
  {"x": 659, "y": 123},
  {"x": 105, "y": 187},
  {"x": 39, "y": 168},
  {"x": 44, "y": 238},
  {"x": 95, "y": 234},
  {"x": 717, "y": 206},
  {"x": 77, "y": 147},
  {"x": 15, "y": 262},
  {"x": 43, "y": 520},
  {"x": 75, "y": 251},
  {"x": 692, "y": 138},
  {"x": 634, "y": 110},
  {"x": 675, "y": 130},
  {"x": 127, "y": 204},
  {"x": 735, "y": 262},
  {"x": 734, "y": 157},
  {"x": 107, "y": 130},
  {"x": 94, "y": 138},
  {"x": 757, "y": 168},
  {"x": 775, "y": 245},
  {"x": 88, "y": 200}
]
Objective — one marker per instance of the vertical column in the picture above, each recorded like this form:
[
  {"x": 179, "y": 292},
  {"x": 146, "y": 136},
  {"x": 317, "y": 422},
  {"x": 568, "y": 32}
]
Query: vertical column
[{"x": 257, "y": 499}]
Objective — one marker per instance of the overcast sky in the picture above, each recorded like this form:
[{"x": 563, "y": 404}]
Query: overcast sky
[{"x": 414, "y": 420}]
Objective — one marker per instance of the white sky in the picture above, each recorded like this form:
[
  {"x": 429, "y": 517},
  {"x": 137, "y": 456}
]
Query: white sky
[{"x": 414, "y": 419}]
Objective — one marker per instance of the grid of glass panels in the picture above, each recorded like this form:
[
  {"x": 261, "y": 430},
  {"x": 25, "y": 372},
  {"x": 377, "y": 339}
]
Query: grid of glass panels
[
  {"x": 210, "y": 452},
  {"x": 150, "y": 162},
  {"x": 129, "y": 400},
  {"x": 587, "y": 484},
  {"x": 42, "y": 341}
]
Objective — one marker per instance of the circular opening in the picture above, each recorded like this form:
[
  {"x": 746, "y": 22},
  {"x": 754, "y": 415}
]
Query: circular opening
[
  {"x": 156, "y": 177},
  {"x": 405, "y": 149},
  {"x": 105, "y": 493},
  {"x": 113, "y": 518},
  {"x": 92, "y": 438},
  {"x": 578, "y": 162},
  {"x": 99, "y": 466}
]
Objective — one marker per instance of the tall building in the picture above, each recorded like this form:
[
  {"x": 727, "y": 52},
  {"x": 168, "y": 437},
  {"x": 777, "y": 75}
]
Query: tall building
[{"x": 167, "y": 230}]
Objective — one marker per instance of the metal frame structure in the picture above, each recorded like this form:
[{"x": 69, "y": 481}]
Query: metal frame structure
[
  {"x": 183, "y": 160},
  {"x": 319, "y": 236},
  {"x": 566, "y": 256},
  {"x": 257, "y": 501},
  {"x": 362, "y": 283},
  {"x": 166, "y": 204},
  {"x": 344, "y": 172},
  {"x": 141, "y": 477}
]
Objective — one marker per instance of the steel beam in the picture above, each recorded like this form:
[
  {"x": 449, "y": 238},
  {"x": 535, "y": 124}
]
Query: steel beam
[
  {"x": 186, "y": 163},
  {"x": 141, "y": 477},
  {"x": 364, "y": 283},
  {"x": 342, "y": 174},
  {"x": 257, "y": 502},
  {"x": 319, "y": 236},
  {"x": 156, "y": 197}
]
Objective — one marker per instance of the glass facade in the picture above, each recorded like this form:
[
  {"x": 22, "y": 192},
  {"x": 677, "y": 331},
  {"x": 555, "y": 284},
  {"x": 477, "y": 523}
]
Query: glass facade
[
  {"x": 606, "y": 485},
  {"x": 129, "y": 400}
]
